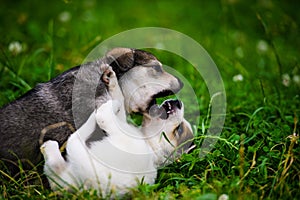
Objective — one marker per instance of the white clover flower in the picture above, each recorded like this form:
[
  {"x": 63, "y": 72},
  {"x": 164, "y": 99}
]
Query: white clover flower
[
  {"x": 223, "y": 197},
  {"x": 159, "y": 45},
  {"x": 296, "y": 79},
  {"x": 262, "y": 46},
  {"x": 15, "y": 47},
  {"x": 64, "y": 16},
  {"x": 286, "y": 80},
  {"x": 238, "y": 78}
]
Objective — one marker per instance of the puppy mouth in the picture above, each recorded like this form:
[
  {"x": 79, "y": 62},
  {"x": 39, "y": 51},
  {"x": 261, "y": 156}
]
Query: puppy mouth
[
  {"x": 166, "y": 109},
  {"x": 163, "y": 93}
]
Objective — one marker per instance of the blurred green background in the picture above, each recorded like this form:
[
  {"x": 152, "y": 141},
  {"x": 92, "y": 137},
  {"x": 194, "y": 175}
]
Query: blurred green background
[
  {"x": 242, "y": 37},
  {"x": 255, "y": 44}
]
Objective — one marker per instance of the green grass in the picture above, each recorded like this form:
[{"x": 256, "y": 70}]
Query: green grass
[{"x": 256, "y": 157}]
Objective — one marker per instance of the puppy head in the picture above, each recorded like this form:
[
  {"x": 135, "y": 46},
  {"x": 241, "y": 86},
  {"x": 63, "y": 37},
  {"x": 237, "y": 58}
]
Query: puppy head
[
  {"x": 141, "y": 78},
  {"x": 168, "y": 133}
]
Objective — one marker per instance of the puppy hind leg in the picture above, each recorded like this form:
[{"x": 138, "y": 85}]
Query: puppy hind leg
[{"x": 54, "y": 162}]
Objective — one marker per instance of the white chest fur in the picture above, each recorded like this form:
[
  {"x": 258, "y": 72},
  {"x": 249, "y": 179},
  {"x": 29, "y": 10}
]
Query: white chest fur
[
  {"x": 114, "y": 162},
  {"x": 118, "y": 162}
]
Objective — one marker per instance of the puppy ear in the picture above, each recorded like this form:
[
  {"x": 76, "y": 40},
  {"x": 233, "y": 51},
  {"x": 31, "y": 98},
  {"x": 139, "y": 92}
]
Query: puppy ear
[
  {"x": 123, "y": 59},
  {"x": 143, "y": 57}
]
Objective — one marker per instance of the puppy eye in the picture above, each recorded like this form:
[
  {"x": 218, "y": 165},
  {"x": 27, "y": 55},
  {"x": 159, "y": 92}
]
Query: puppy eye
[
  {"x": 157, "y": 68},
  {"x": 180, "y": 129}
]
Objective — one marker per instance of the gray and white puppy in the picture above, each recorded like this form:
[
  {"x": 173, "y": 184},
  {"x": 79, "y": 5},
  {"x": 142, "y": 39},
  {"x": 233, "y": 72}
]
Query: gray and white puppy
[
  {"x": 127, "y": 156},
  {"x": 140, "y": 76}
]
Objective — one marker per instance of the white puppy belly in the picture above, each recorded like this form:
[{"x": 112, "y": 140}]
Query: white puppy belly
[{"x": 107, "y": 164}]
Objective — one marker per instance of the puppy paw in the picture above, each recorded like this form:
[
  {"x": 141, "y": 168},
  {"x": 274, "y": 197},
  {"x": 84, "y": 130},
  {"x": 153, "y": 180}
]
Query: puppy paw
[
  {"x": 109, "y": 77},
  {"x": 106, "y": 112},
  {"x": 48, "y": 147}
]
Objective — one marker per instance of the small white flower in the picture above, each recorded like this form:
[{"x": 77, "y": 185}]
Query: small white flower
[
  {"x": 223, "y": 197},
  {"x": 286, "y": 80},
  {"x": 262, "y": 46},
  {"x": 159, "y": 45},
  {"x": 65, "y": 16},
  {"x": 296, "y": 79},
  {"x": 238, "y": 78},
  {"x": 15, "y": 47}
]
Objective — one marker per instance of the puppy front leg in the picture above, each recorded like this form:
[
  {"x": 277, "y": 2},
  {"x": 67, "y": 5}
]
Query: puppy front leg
[
  {"x": 110, "y": 79},
  {"x": 85, "y": 131},
  {"x": 106, "y": 116}
]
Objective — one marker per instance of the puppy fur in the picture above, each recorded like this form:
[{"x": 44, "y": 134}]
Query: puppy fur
[
  {"x": 125, "y": 157},
  {"x": 48, "y": 103}
]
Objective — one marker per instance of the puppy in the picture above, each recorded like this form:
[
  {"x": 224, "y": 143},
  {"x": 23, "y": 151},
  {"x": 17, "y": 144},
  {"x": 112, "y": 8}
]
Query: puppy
[
  {"x": 72, "y": 96},
  {"x": 127, "y": 156}
]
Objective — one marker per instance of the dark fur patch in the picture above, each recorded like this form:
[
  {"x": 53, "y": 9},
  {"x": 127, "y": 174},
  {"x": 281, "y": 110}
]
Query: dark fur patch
[
  {"x": 97, "y": 135},
  {"x": 124, "y": 62},
  {"x": 48, "y": 103}
]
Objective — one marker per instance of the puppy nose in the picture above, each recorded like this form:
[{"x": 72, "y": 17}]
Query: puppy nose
[
  {"x": 178, "y": 104},
  {"x": 176, "y": 85},
  {"x": 180, "y": 83}
]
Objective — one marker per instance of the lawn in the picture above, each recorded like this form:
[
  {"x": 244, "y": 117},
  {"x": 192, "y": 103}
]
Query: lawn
[{"x": 254, "y": 44}]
